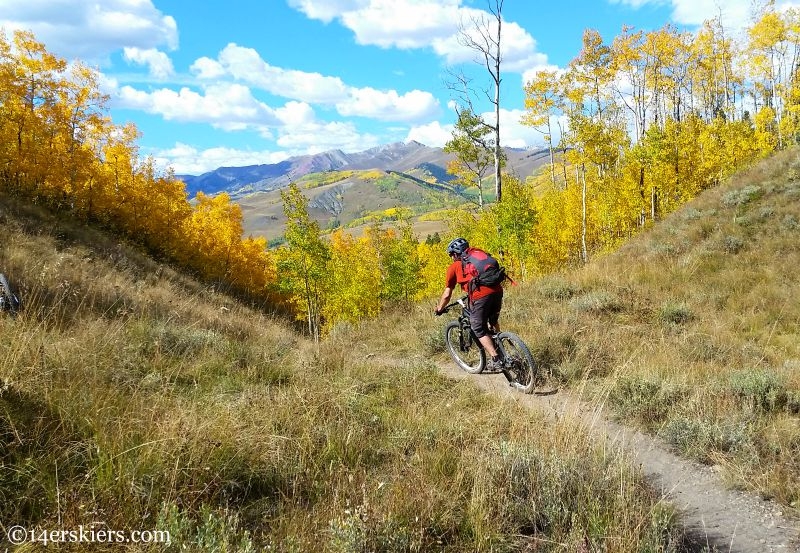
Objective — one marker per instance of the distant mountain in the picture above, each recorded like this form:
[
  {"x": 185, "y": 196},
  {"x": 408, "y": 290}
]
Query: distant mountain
[{"x": 399, "y": 156}]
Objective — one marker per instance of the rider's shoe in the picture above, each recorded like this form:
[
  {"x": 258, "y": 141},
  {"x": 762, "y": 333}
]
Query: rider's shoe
[{"x": 495, "y": 364}]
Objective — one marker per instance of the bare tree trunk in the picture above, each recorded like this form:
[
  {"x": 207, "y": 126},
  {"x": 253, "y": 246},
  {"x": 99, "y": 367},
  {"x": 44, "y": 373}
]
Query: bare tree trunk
[
  {"x": 584, "y": 252},
  {"x": 653, "y": 203},
  {"x": 487, "y": 45},
  {"x": 498, "y": 182}
]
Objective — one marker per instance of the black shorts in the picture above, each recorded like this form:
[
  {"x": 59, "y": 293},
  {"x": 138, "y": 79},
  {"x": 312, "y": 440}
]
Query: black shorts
[{"x": 485, "y": 311}]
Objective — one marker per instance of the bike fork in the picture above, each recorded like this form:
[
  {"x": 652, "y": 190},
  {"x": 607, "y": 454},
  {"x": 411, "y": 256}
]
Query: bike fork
[{"x": 504, "y": 368}]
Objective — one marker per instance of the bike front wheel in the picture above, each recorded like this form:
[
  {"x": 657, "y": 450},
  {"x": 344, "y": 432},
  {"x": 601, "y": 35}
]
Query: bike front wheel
[
  {"x": 8, "y": 300},
  {"x": 520, "y": 366},
  {"x": 463, "y": 349}
]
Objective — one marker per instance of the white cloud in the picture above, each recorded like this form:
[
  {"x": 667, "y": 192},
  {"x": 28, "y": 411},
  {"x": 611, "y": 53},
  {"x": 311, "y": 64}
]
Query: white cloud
[
  {"x": 158, "y": 63},
  {"x": 207, "y": 69},
  {"x": 513, "y": 134},
  {"x": 735, "y": 14},
  {"x": 232, "y": 107},
  {"x": 225, "y": 106},
  {"x": 389, "y": 106},
  {"x": 246, "y": 65},
  {"x": 432, "y": 134},
  {"x": 403, "y": 23},
  {"x": 91, "y": 30},
  {"x": 529, "y": 74},
  {"x": 188, "y": 160},
  {"x": 315, "y": 137},
  {"x": 432, "y": 24},
  {"x": 296, "y": 113},
  {"x": 326, "y": 10}
]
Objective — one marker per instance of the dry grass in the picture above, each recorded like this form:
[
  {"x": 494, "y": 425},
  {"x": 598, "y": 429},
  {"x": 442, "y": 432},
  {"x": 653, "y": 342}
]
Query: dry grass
[
  {"x": 692, "y": 330},
  {"x": 135, "y": 398}
]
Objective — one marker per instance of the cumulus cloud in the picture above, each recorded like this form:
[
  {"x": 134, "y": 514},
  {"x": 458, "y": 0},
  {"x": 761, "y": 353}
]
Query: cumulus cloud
[
  {"x": 422, "y": 24},
  {"x": 207, "y": 69},
  {"x": 232, "y": 107},
  {"x": 225, "y": 106},
  {"x": 735, "y": 14},
  {"x": 328, "y": 10},
  {"x": 188, "y": 160},
  {"x": 317, "y": 136},
  {"x": 513, "y": 134},
  {"x": 91, "y": 30},
  {"x": 432, "y": 134},
  {"x": 402, "y": 23},
  {"x": 246, "y": 65},
  {"x": 529, "y": 74},
  {"x": 389, "y": 105},
  {"x": 158, "y": 63}
]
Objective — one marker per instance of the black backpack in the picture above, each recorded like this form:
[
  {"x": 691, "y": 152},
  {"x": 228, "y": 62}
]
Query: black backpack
[{"x": 484, "y": 269}]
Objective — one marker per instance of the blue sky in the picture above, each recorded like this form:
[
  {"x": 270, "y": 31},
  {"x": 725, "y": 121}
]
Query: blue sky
[{"x": 214, "y": 83}]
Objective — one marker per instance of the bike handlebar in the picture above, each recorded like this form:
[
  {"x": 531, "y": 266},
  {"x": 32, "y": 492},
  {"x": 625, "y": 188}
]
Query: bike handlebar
[{"x": 461, "y": 301}]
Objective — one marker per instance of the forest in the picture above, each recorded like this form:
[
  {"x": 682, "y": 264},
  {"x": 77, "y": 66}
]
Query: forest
[{"x": 635, "y": 126}]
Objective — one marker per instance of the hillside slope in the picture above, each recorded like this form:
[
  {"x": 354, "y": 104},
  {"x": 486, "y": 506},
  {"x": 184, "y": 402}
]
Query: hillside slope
[
  {"x": 351, "y": 199},
  {"x": 692, "y": 329},
  {"x": 133, "y": 398},
  {"x": 399, "y": 156}
]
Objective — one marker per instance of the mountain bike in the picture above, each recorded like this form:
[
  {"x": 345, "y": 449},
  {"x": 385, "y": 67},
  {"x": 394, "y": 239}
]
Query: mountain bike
[
  {"x": 519, "y": 368},
  {"x": 8, "y": 300}
]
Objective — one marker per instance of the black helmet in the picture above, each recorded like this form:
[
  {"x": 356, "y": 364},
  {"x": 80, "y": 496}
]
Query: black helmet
[{"x": 458, "y": 247}]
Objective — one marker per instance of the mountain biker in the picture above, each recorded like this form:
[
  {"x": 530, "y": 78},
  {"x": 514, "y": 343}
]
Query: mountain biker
[{"x": 485, "y": 301}]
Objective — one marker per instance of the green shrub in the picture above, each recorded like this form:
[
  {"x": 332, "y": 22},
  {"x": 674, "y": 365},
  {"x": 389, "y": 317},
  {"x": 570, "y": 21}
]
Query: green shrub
[
  {"x": 359, "y": 530},
  {"x": 690, "y": 214},
  {"x": 551, "y": 351},
  {"x": 216, "y": 530},
  {"x": 647, "y": 400},
  {"x": 596, "y": 302},
  {"x": 557, "y": 289},
  {"x": 761, "y": 389},
  {"x": 732, "y": 244},
  {"x": 433, "y": 342},
  {"x": 741, "y": 196},
  {"x": 534, "y": 493},
  {"x": 675, "y": 313},
  {"x": 698, "y": 438}
]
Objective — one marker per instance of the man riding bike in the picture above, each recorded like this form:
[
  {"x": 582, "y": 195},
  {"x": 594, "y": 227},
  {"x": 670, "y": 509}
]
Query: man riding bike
[{"x": 485, "y": 301}]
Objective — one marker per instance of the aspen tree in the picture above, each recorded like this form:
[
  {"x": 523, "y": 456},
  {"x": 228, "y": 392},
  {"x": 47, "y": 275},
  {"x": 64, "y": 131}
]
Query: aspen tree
[{"x": 302, "y": 263}]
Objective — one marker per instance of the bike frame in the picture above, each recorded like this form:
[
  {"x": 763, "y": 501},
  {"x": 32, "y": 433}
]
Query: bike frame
[
  {"x": 518, "y": 365},
  {"x": 466, "y": 336}
]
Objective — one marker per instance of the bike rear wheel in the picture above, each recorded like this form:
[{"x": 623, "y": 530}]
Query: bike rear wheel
[
  {"x": 8, "y": 301},
  {"x": 520, "y": 366},
  {"x": 469, "y": 355}
]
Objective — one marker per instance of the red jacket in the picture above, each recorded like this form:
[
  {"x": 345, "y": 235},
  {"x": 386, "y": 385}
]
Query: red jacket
[{"x": 455, "y": 275}]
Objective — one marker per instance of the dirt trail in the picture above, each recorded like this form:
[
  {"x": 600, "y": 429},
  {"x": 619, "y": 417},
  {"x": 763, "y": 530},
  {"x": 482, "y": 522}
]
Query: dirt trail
[{"x": 715, "y": 517}]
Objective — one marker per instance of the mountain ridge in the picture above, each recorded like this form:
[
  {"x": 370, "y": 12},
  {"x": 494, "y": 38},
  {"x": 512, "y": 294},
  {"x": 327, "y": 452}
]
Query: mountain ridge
[{"x": 397, "y": 156}]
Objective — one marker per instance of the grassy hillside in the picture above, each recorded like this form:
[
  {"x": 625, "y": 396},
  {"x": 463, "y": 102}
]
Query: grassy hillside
[
  {"x": 692, "y": 330},
  {"x": 134, "y": 398},
  {"x": 352, "y": 199}
]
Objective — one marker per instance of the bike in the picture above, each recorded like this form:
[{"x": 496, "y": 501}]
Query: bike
[
  {"x": 519, "y": 368},
  {"x": 8, "y": 300}
]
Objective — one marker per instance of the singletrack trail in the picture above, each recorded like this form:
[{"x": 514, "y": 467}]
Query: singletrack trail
[{"x": 715, "y": 518}]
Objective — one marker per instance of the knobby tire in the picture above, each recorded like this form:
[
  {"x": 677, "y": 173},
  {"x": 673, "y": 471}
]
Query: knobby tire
[
  {"x": 521, "y": 366},
  {"x": 473, "y": 360},
  {"x": 10, "y": 301}
]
